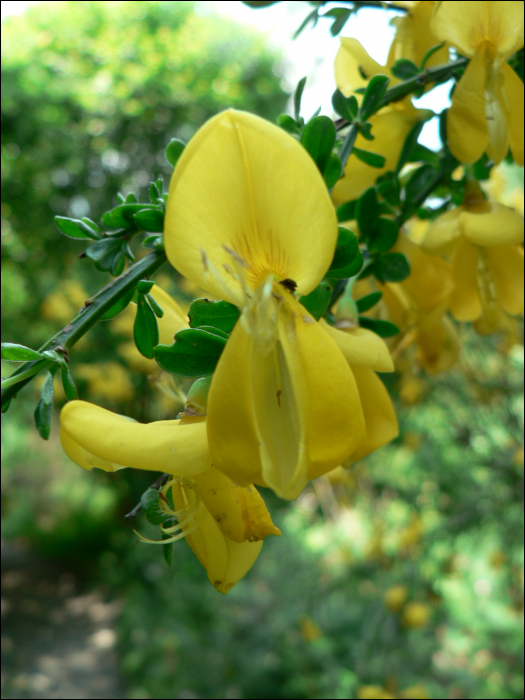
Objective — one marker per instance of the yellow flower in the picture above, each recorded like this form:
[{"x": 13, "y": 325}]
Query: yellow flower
[
  {"x": 487, "y": 106},
  {"x": 416, "y": 615},
  {"x": 483, "y": 239},
  {"x": 390, "y": 126},
  {"x": 417, "y": 306},
  {"x": 396, "y": 597},
  {"x": 223, "y": 523},
  {"x": 249, "y": 219}
]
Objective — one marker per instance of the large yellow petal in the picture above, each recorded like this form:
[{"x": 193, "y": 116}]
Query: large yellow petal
[
  {"x": 225, "y": 561},
  {"x": 506, "y": 266},
  {"x": 466, "y": 121},
  {"x": 438, "y": 346},
  {"x": 413, "y": 37},
  {"x": 464, "y": 302},
  {"x": 361, "y": 348},
  {"x": 492, "y": 224},
  {"x": 94, "y": 437},
  {"x": 390, "y": 128},
  {"x": 283, "y": 417},
  {"x": 513, "y": 94},
  {"x": 245, "y": 186},
  {"x": 380, "y": 416},
  {"x": 444, "y": 233},
  {"x": 350, "y": 57},
  {"x": 240, "y": 512},
  {"x": 468, "y": 24}
]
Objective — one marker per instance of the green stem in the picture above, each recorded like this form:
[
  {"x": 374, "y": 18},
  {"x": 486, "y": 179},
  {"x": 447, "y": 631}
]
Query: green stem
[
  {"x": 86, "y": 318},
  {"x": 347, "y": 145},
  {"x": 430, "y": 75},
  {"x": 15, "y": 378}
]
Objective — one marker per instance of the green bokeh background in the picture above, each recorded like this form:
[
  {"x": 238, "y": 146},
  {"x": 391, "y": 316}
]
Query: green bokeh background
[{"x": 92, "y": 94}]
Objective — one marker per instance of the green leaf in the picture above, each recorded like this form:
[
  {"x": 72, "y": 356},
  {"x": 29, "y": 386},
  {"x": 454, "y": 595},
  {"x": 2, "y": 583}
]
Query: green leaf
[
  {"x": 404, "y": 69},
  {"x": 44, "y": 410},
  {"x": 384, "y": 329},
  {"x": 317, "y": 301},
  {"x": 75, "y": 228},
  {"x": 347, "y": 211},
  {"x": 288, "y": 124},
  {"x": 70, "y": 389},
  {"x": 367, "y": 213},
  {"x": 155, "y": 242},
  {"x": 118, "y": 264},
  {"x": 314, "y": 15},
  {"x": 430, "y": 53},
  {"x": 150, "y": 505},
  {"x": 373, "y": 95},
  {"x": 409, "y": 145},
  {"x": 341, "y": 19},
  {"x": 145, "y": 328},
  {"x": 151, "y": 220},
  {"x": 167, "y": 549},
  {"x": 418, "y": 182},
  {"x": 122, "y": 216},
  {"x": 347, "y": 107},
  {"x": 374, "y": 160},
  {"x": 349, "y": 271},
  {"x": 346, "y": 250},
  {"x": 365, "y": 130},
  {"x": 389, "y": 188},
  {"x": 319, "y": 138},
  {"x": 218, "y": 314},
  {"x": 215, "y": 331},
  {"x": 19, "y": 353},
  {"x": 194, "y": 353},
  {"x": 103, "y": 252},
  {"x": 154, "y": 192},
  {"x": 333, "y": 170},
  {"x": 392, "y": 267},
  {"x": 118, "y": 306},
  {"x": 158, "y": 310},
  {"x": 145, "y": 286},
  {"x": 385, "y": 237},
  {"x": 174, "y": 151},
  {"x": 298, "y": 94},
  {"x": 131, "y": 198},
  {"x": 365, "y": 303}
]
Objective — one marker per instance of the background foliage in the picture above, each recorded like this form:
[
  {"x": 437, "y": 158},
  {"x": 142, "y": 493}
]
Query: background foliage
[{"x": 400, "y": 578}]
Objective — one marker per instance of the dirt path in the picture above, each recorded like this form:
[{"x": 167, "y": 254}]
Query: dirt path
[{"x": 56, "y": 642}]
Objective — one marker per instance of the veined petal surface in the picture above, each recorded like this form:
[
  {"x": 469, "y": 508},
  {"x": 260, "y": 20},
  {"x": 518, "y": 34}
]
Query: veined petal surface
[
  {"x": 94, "y": 437},
  {"x": 245, "y": 186}
]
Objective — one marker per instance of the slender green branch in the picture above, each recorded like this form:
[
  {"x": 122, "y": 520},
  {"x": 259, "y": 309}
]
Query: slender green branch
[
  {"x": 430, "y": 75},
  {"x": 87, "y": 317},
  {"x": 347, "y": 145}
]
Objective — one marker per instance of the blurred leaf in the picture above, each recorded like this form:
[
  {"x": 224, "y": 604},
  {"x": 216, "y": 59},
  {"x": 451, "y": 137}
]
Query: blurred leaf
[
  {"x": 167, "y": 550},
  {"x": 384, "y": 329},
  {"x": 151, "y": 220},
  {"x": 341, "y": 15},
  {"x": 367, "y": 213},
  {"x": 288, "y": 124},
  {"x": 145, "y": 328},
  {"x": 374, "y": 160},
  {"x": 365, "y": 303},
  {"x": 313, "y": 16},
  {"x": 218, "y": 314},
  {"x": 346, "y": 250},
  {"x": 385, "y": 237},
  {"x": 332, "y": 171},
  {"x": 373, "y": 95},
  {"x": 347, "y": 211},
  {"x": 174, "y": 151},
  {"x": 150, "y": 505},
  {"x": 392, "y": 267},
  {"x": 429, "y": 54},
  {"x": 317, "y": 301},
  {"x": 70, "y": 389},
  {"x": 155, "y": 242},
  {"x": 347, "y": 107},
  {"x": 297, "y": 97},
  {"x": 104, "y": 252},
  {"x": 404, "y": 69},
  {"x": 409, "y": 145},
  {"x": 389, "y": 188},
  {"x": 419, "y": 181},
  {"x": 19, "y": 353},
  {"x": 194, "y": 353},
  {"x": 319, "y": 138},
  {"x": 44, "y": 410}
]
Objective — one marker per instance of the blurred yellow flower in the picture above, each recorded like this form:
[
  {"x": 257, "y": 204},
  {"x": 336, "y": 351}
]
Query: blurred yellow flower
[
  {"x": 309, "y": 630},
  {"x": 416, "y": 615},
  {"x": 396, "y": 597},
  {"x": 106, "y": 380},
  {"x": 414, "y": 38},
  {"x": 249, "y": 219},
  {"x": 483, "y": 239},
  {"x": 373, "y": 692},
  {"x": 487, "y": 106},
  {"x": 223, "y": 523}
]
